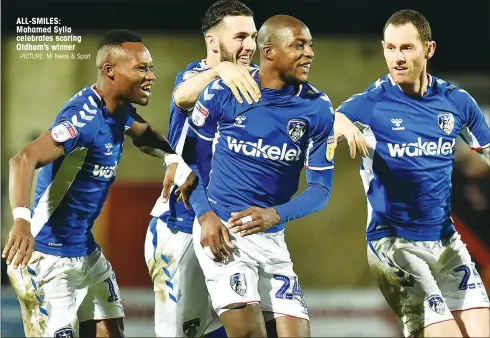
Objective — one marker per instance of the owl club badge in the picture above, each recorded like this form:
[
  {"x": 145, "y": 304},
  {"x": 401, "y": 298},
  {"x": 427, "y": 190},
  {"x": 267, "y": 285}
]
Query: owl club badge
[
  {"x": 446, "y": 122},
  {"x": 330, "y": 148}
]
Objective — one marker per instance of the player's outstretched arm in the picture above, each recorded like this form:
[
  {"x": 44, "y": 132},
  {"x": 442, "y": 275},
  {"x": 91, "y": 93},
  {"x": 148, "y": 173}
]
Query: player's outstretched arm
[
  {"x": 313, "y": 199},
  {"x": 235, "y": 76},
  {"x": 37, "y": 154},
  {"x": 345, "y": 128},
  {"x": 155, "y": 144},
  {"x": 485, "y": 155}
]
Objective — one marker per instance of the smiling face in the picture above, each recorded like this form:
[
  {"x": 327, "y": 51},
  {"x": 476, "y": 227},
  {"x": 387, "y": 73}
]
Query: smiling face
[
  {"x": 234, "y": 38},
  {"x": 133, "y": 73},
  {"x": 294, "y": 54},
  {"x": 405, "y": 53}
]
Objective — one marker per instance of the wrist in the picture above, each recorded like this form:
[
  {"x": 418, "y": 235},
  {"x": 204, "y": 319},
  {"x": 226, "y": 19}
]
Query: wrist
[
  {"x": 171, "y": 158},
  {"x": 206, "y": 216},
  {"x": 22, "y": 213},
  {"x": 276, "y": 218}
]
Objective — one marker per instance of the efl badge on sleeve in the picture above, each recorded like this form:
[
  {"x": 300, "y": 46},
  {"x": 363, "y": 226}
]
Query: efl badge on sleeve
[
  {"x": 446, "y": 122},
  {"x": 238, "y": 283},
  {"x": 296, "y": 129},
  {"x": 330, "y": 148},
  {"x": 63, "y": 131},
  {"x": 199, "y": 114}
]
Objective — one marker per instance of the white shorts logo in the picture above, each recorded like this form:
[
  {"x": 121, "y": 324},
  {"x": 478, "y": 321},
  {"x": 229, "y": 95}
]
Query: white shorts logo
[
  {"x": 436, "y": 303},
  {"x": 66, "y": 332},
  {"x": 238, "y": 283}
]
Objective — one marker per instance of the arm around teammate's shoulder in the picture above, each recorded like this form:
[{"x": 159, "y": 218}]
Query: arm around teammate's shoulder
[{"x": 236, "y": 77}]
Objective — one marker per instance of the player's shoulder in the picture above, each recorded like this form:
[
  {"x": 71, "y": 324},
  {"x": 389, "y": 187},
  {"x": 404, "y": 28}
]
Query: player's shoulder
[
  {"x": 194, "y": 68},
  {"x": 308, "y": 92},
  {"x": 450, "y": 90},
  {"x": 83, "y": 109},
  {"x": 380, "y": 87},
  {"x": 217, "y": 89}
]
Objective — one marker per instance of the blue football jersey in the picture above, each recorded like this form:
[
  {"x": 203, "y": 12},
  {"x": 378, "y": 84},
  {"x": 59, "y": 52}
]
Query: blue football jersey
[
  {"x": 174, "y": 213},
  {"x": 260, "y": 148},
  {"x": 407, "y": 178},
  {"x": 71, "y": 190}
]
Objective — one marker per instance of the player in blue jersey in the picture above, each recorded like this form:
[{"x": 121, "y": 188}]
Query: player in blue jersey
[
  {"x": 182, "y": 305},
  {"x": 64, "y": 283},
  {"x": 411, "y": 120},
  {"x": 259, "y": 152}
]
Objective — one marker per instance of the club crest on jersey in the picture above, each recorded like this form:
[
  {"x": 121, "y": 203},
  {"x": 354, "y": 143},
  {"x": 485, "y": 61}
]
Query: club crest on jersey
[
  {"x": 330, "y": 148},
  {"x": 199, "y": 114},
  {"x": 436, "y": 304},
  {"x": 63, "y": 132},
  {"x": 238, "y": 283},
  {"x": 296, "y": 129},
  {"x": 66, "y": 332},
  {"x": 446, "y": 122}
]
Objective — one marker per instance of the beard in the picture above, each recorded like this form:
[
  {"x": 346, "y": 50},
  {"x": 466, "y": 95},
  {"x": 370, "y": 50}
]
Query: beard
[{"x": 226, "y": 55}]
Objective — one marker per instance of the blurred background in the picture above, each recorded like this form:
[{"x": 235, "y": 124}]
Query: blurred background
[{"x": 328, "y": 248}]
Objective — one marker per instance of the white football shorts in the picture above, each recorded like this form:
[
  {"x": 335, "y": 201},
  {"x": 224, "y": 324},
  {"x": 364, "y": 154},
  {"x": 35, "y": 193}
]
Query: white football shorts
[
  {"x": 182, "y": 304},
  {"x": 423, "y": 281},
  {"x": 259, "y": 271},
  {"x": 56, "y": 293}
]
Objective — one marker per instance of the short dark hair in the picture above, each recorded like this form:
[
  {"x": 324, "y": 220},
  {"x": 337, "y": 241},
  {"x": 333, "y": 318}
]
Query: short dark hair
[
  {"x": 415, "y": 18},
  {"x": 215, "y": 14},
  {"x": 117, "y": 37}
]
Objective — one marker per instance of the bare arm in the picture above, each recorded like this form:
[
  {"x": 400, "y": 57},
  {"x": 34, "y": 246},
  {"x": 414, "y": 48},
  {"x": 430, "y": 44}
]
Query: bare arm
[
  {"x": 37, "y": 154},
  {"x": 344, "y": 127},
  {"x": 148, "y": 140},
  {"x": 187, "y": 93},
  {"x": 235, "y": 76},
  {"x": 155, "y": 144},
  {"x": 485, "y": 155}
]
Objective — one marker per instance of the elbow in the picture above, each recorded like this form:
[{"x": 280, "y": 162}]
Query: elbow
[
  {"x": 22, "y": 158},
  {"x": 323, "y": 196},
  {"x": 182, "y": 99}
]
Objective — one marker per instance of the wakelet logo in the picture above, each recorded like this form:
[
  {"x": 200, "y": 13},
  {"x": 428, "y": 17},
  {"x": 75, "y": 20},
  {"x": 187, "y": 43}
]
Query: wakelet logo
[
  {"x": 105, "y": 172},
  {"x": 258, "y": 149},
  {"x": 421, "y": 148},
  {"x": 397, "y": 124}
]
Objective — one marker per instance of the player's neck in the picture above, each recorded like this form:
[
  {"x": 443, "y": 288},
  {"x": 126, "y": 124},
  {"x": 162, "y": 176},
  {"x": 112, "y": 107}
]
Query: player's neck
[
  {"x": 212, "y": 59},
  {"x": 111, "y": 101},
  {"x": 419, "y": 87},
  {"x": 271, "y": 79}
]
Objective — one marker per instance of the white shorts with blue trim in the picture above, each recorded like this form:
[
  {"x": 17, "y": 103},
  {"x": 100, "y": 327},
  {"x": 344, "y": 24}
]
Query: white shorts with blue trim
[
  {"x": 57, "y": 293},
  {"x": 182, "y": 304},
  {"x": 424, "y": 281},
  {"x": 259, "y": 271}
]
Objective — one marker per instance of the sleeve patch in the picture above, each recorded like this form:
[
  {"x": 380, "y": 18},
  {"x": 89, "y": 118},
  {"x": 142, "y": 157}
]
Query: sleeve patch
[
  {"x": 330, "y": 148},
  {"x": 199, "y": 114},
  {"x": 63, "y": 132}
]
